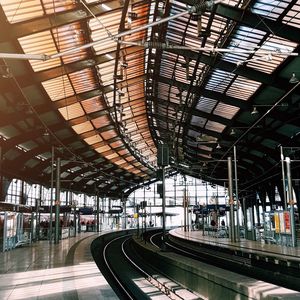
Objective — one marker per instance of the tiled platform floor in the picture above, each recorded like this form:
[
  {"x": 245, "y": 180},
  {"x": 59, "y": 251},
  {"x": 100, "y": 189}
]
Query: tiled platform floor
[{"x": 53, "y": 271}]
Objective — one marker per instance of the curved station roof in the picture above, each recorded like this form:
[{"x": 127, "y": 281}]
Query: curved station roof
[{"x": 100, "y": 84}]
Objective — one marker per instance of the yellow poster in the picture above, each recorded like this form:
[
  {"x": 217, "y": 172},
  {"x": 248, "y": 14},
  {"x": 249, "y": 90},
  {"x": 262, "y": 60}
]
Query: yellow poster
[{"x": 277, "y": 223}]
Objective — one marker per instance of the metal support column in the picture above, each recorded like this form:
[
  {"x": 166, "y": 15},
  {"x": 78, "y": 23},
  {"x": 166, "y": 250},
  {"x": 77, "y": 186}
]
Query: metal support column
[
  {"x": 51, "y": 195},
  {"x": 124, "y": 212},
  {"x": 291, "y": 201},
  {"x": 184, "y": 205},
  {"x": 57, "y": 202},
  {"x": 237, "y": 233},
  {"x": 245, "y": 215},
  {"x": 283, "y": 178},
  {"x": 2, "y": 198},
  {"x": 97, "y": 217},
  {"x": 144, "y": 214},
  {"x": 175, "y": 189},
  {"x": 163, "y": 209},
  {"x": 231, "y": 202}
]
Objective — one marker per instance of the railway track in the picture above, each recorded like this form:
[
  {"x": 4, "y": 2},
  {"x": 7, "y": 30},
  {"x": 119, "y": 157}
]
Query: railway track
[{"x": 134, "y": 279}]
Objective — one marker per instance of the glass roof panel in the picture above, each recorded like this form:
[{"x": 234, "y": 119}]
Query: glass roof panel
[
  {"x": 71, "y": 111},
  {"x": 270, "y": 9},
  {"x": 214, "y": 126},
  {"x": 107, "y": 135},
  {"x": 101, "y": 122},
  {"x": 68, "y": 37},
  {"x": 219, "y": 81},
  {"x": 243, "y": 88},
  {"x": 111, "y": 21},
  {"x": 246, "y": 38},
  {"x": 269, "y": 62},
  {"x": 112, "y": 156},
  {"x": 58, "y": 88},
  {"x": 206, "y": 104},
  {"x": 292, "y": 18},
  {"x": 39, "y": 43},
  {"x": 120, "y": 161},
  {"x": 19, "y": 10},
  {"x": 103, "y": 149},
  {"x": 225, "y": 110},
  {"x": 93, "y": 104},
  {"x": 83, "y": 127},
  {"x": 198, "y": 121},
  {"x": 58, "y": 6},
  {"x": 83, "y": 80},
  {"x": 93, "y": 139}
]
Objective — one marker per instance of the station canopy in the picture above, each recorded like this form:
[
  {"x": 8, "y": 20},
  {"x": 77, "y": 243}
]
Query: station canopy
[{"x": 100, "y": 84}]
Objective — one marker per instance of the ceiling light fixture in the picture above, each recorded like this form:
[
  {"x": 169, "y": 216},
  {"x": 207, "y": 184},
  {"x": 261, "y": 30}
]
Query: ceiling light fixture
[
  {"x": 254, "y": 111},
  {"x": 5, "y": 72},
  {"x": 293, "y": 79}
]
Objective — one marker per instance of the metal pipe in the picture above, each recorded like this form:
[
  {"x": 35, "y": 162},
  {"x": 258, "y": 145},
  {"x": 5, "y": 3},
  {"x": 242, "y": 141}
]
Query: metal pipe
[
  {"x": 45, "y": 57},
  {"x": 57, "y": 202},
  {"x": 231, "y": 202},
  {"x": 283, "y": 178},
  {"x": 119, "y": 35},
  {"x": 22, "y": 56},
  {"x": 291, "y": 201},
  {"x": 160, "y": 45},
  {"x": 236, "y": 196}
]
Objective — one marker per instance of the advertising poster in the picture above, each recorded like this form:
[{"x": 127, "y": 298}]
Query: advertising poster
[
  {"x": 277, "y": 223},
  {"x": 287, "y": 222},
  {"x": 281, "y": 222}
]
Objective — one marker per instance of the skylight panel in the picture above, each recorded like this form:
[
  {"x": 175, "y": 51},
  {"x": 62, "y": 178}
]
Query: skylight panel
[
  {"x": 40, "y": 43},
  {"x": 198, "y": 121},
  {"x": 243, "y": 88},
  {"x": 225, "y": 110},
  {"x": 215, "y": 126},
  {"x": 93, "y": 139},
  {"x": 83, "y": 127},
  {"x": 20, "y": 10},
  {"x": 219, "y": 81},
  {"x": 111, "y": 21},
  {"x": 58, "y": 6},
  {"x": 101, "y": 121},
  {"x": 68, "y": 37},
  {"x": 206, "y": 104},
  {"x": 58, "y": 88},
  {"x": 71, "y": 111},
  {"x": 83, "y": 80},
  {"x": 93, "y": 104},
  {"x": 269, "y": 62},
  {"x": 292, "y": 18},
  {"x": 270, "y": 9}
]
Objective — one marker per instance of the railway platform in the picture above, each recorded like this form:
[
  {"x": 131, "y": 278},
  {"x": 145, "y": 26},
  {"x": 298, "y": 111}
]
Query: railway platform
[
  {"x": 253, "y": 249},
  {"x": 47, "y": 271}
]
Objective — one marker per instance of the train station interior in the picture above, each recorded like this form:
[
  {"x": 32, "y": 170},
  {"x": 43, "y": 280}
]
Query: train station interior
[{"x": 173, "y": 122}]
